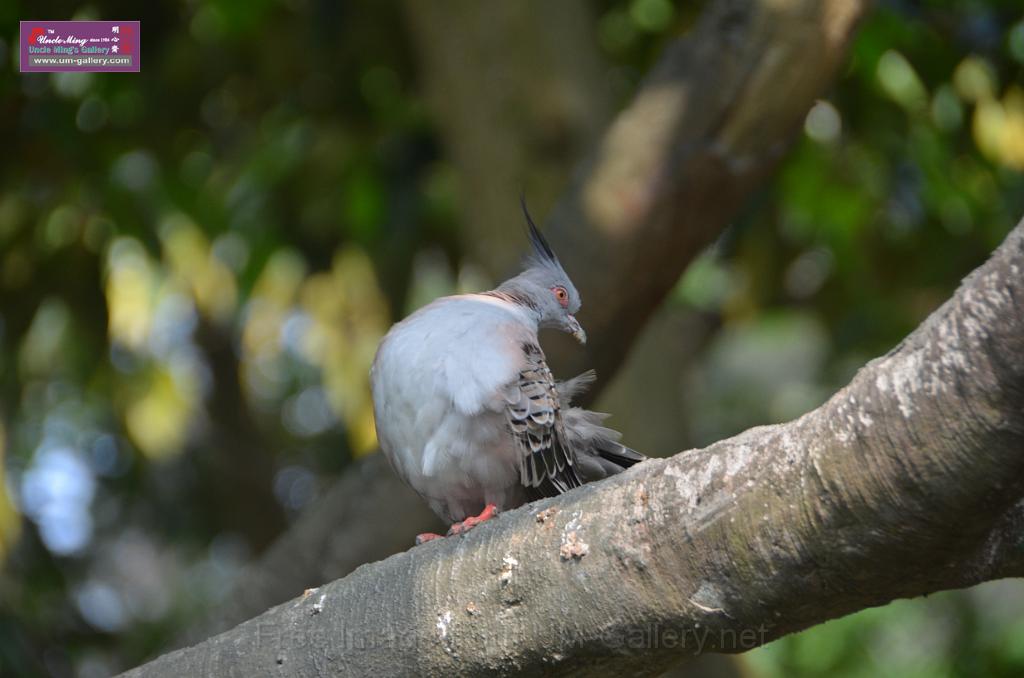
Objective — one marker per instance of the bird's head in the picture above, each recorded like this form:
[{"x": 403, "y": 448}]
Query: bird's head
[{"x": 545, "y": 286}]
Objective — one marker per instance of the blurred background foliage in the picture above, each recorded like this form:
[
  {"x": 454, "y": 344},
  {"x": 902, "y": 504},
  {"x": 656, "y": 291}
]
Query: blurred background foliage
[{"x": 196, "y": 263}]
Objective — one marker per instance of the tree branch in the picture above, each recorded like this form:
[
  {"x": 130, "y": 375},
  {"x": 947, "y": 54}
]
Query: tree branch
[
  {"x": 907, "y": 481},
  {"x": 353, "y": 523},
  {"x": 710, "y": 123}
]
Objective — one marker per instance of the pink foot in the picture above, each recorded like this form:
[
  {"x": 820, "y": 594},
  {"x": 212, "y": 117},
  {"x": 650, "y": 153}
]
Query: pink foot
[
  {"x": 458, "y": 528},
  {"x": 489, "y": 512},
  {"x": 427, "y": 536}
]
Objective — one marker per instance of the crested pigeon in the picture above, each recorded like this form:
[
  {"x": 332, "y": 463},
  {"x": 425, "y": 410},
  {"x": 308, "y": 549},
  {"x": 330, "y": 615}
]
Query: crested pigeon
[{"x": 467, "y": 411}]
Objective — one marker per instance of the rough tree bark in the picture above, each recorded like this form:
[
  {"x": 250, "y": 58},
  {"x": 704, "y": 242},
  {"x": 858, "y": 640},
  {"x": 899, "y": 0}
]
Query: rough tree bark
[
  {"x": 908, "y": 480},
  {"x": 700, "y": 135}
]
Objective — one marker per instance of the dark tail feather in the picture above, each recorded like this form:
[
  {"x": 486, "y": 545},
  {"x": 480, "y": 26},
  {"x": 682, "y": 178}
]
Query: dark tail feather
[
  {"x": 602, "y": 457},
  {"x": 597, "y": 450},
  {"x": 619, "y": 454}
]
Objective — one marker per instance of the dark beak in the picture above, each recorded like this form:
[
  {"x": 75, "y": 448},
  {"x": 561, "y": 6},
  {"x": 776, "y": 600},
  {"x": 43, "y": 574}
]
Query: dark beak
[{"x": 576, "y": 330}]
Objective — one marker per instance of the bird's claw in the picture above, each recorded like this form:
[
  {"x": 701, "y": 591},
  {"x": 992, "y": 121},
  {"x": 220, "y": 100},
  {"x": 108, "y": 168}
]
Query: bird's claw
[
  {"x": 489, "y": 512},
  {"x": 461, "y": 527},
  {"x": 424, "y": 537}
]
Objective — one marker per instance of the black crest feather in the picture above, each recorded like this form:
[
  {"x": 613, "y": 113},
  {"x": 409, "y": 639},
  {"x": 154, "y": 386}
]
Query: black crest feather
[{"x": 540, "y": 245}]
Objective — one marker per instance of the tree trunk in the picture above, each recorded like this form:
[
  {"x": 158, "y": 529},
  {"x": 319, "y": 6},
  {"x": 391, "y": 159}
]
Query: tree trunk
[{"x": 520, "y": 94}]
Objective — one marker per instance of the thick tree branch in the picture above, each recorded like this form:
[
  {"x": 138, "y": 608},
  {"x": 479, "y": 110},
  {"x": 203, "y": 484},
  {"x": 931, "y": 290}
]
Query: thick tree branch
[
  {"x": 907, "y": 481},
  {"x": 367, "y": 515},
  {"x": 702, "y": 132},
  {"x": 710, "y": 123}
]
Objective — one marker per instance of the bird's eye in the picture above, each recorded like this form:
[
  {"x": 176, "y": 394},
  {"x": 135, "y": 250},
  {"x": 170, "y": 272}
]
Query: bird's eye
[{"x": 561, "y": 295}]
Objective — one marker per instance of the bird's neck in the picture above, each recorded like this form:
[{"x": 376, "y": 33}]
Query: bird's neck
[
  {"x": 520, "y": 301},
  {"x": 514, "y": 292},
  {"x": 512, "y": 298}
]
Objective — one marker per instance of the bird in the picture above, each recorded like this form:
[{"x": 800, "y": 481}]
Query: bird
[{"x": 467, "y": 411}]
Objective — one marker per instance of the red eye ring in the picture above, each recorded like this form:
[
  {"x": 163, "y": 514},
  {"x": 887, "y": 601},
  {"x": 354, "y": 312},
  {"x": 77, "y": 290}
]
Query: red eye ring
[{"x": 562, "y": 295}]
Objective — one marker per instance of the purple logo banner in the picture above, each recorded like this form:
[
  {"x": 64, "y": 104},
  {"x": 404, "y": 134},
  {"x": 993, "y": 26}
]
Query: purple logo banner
[{"x": 94, "y": 46}]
